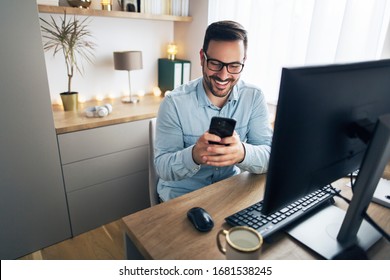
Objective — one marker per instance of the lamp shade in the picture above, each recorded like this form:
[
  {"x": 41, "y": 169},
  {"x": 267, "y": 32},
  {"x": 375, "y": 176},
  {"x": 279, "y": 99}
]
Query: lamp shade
[{"x": 128, "y": 60}]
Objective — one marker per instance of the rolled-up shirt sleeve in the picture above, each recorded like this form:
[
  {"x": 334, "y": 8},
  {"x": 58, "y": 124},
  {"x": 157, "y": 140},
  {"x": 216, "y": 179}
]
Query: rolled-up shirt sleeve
[{"x": 257, "y": 141}]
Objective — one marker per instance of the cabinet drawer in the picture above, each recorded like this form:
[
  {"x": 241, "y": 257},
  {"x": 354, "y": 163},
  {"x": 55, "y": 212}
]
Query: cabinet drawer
[
  {"x": 91, "y": 143},
  {"x": 89, "y": 172},
  {"x": 103, "y": 203}
]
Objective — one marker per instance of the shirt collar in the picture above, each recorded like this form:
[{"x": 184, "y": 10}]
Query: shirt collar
[{"x": 203, "y": 101}]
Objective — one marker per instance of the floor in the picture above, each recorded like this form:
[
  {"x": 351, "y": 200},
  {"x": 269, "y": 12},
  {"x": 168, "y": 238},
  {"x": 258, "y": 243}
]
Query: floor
[{"x": 103, "y": 243}]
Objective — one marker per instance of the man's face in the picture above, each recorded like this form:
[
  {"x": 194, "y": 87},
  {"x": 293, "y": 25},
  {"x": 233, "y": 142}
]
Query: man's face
[{"x": 220, "y": 83}]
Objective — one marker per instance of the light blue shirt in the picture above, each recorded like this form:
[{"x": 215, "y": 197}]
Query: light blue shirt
[{"x": 185, "y": 114}]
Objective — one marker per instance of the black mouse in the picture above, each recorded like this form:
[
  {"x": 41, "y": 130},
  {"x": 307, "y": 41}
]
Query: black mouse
[{"x": 201, "y": 220}]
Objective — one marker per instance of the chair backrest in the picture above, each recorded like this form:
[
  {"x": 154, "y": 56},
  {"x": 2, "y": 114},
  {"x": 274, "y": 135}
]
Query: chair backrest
[{"x": 153, "y": 177}]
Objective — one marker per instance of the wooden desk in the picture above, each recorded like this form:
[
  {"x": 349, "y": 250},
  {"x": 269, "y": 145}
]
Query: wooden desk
[{"x": 164, "y": 232}]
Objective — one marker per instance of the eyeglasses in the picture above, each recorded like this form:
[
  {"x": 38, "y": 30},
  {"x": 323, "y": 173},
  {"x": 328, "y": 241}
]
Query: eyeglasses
[{"x": 216, "y": 65}]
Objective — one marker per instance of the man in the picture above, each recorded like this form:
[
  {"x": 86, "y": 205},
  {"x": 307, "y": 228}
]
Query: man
[{"x": 184, "y": 158}]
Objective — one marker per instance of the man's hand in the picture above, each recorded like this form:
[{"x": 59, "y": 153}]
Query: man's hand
[{"x": 231, "y": 150}]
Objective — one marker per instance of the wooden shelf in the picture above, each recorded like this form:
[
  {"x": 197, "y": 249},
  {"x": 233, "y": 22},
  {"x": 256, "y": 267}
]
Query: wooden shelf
[
  {"x": 72, "y": 121},
  {"x": 101, "y": 13}
]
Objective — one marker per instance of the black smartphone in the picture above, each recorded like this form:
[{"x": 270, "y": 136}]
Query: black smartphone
[{"x": 222, "y": 127}]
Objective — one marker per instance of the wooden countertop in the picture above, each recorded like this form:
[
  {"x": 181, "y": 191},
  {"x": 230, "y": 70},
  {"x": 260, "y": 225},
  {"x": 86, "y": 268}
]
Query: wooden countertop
[{"x": 71, "y": 121}]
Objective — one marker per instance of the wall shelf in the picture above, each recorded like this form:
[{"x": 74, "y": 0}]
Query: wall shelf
[{"x": 116, "y": 14}]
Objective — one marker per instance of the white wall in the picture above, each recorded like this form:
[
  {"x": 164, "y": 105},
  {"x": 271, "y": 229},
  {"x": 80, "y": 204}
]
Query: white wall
[
  {"x": 113, "y": 34},
  {"x": 117, "y": 34},
  {"x": 189, "y": 36},
  {"x": 386, "y": 47}
]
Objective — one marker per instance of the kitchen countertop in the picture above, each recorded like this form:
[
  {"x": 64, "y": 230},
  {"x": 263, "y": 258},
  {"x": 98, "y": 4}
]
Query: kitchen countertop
[{"x": 71, "y": 121}]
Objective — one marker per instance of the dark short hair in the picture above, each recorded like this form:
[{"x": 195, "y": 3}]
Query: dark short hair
[{"x": 225, "y": 30}]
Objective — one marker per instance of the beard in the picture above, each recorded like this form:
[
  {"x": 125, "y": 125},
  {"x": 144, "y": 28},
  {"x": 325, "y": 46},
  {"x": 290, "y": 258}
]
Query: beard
[{"x": 218, "y": 87}]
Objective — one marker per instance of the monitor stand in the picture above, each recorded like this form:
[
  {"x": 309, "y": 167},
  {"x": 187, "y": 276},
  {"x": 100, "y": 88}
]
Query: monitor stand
[
  {"x": 333, "y": 230},
  {"x": 319, "y": 233}
]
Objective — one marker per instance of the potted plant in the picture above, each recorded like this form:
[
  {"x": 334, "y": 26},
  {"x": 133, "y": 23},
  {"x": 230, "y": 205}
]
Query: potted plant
[{"x": 71, "y": 38}]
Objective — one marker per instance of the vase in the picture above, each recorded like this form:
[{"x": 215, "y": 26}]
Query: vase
[{"x": 69, "y": 100}]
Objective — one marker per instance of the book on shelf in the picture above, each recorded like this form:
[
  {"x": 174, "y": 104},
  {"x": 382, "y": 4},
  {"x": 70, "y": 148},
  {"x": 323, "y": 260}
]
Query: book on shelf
[
  {"x": 164, "y": 7},
  {"x": 173, "y": 73}
]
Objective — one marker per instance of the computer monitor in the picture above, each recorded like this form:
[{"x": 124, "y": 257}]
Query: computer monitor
[{"x": 325, "y": 121}]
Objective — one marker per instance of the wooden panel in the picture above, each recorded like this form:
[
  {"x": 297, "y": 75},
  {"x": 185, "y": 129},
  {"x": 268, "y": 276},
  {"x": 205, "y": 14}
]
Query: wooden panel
[
  {"x": 70, "y": 121},
  {"x": 100, "y": 204},
  {"x": 102, "y": 141},
  {"x": 102, "y": 243}
]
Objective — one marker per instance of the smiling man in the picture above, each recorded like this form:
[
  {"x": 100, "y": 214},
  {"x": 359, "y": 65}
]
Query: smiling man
[{"x": 184, "y": 158}]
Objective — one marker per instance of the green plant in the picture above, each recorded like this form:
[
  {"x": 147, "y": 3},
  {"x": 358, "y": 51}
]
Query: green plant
[{"x": 71, "y": 37}]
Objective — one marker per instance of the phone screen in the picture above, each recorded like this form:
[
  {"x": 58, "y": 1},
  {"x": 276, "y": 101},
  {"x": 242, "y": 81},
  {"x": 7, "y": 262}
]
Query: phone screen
[{"x": 222, "y": 127}]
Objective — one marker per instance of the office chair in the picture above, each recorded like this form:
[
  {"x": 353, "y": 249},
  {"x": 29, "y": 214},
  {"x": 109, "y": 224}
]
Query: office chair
[{"x": 153, "y": 177}]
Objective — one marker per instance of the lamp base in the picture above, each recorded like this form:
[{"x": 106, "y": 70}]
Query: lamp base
[
  {"x": 106, "y": 7},
  {"x": 129, "y": 99}
]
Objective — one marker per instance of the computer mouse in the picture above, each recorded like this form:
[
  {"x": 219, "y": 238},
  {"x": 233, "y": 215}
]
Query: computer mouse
[{"x": 201, "y": 220}]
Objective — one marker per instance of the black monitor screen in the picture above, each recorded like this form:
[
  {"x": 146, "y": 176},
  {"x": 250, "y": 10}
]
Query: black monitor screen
[{"x": 314, "y": 143}]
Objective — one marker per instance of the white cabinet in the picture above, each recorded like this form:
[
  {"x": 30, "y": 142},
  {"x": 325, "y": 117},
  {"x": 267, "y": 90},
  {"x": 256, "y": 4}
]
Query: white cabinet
[{"x": 105, "y": 173}]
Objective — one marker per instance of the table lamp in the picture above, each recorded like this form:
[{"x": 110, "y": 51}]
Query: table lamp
[
  {"x": 172, "y": 51},
  {"x": 128, "y": 60}
]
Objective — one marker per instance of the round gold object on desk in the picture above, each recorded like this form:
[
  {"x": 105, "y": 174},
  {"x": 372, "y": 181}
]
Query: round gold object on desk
[
  {"x": 69, "y": 100},
  {"x": 80, "y": 3}
]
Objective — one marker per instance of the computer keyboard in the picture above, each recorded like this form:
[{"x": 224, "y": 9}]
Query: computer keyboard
[{"x": 269, "y": 224}]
